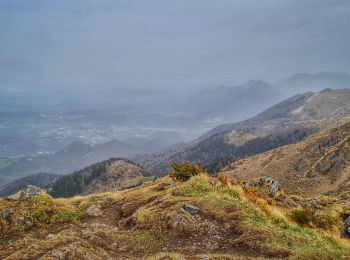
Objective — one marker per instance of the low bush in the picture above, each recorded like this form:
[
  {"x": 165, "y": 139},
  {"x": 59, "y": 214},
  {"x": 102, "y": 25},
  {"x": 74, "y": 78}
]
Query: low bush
[
  {"x": 302, "y": 216},
  {"x": 184, "y": 171}
]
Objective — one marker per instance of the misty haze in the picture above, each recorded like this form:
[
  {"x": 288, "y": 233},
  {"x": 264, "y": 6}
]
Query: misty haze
[{"x": 110, "y": 95}]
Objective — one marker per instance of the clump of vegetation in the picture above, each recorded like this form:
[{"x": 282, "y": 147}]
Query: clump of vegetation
[
  {"x": 184, "y": 171},
  {"x": 329, "y": 220},
  {"x": 302, "y": 216},
  {"x": 143, "y": 240},
  {"x": 41, "y": 210}
]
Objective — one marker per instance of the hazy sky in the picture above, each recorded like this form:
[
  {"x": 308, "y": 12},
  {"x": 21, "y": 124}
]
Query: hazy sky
[{"x": 97, "y": 45}]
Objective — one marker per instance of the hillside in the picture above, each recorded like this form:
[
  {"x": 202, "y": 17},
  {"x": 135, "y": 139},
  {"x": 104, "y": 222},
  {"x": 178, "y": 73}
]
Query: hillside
[
  {"x": 40, "y": 180},
  {"x": 285, "y": 123},
  {"x": 111, "y": 175},
  {"x": 317, "y": 165},
  {"x": 198, "y": 219}
]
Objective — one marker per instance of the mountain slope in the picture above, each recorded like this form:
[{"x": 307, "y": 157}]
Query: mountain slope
[
  {"x": 317, "y": 165},
  {"x": 287, "y": 122},
  {"x": 111, "y": 175},
  {"x": 201, "y": 218}
]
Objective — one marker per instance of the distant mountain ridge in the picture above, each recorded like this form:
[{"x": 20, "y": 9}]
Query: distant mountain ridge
[
  {"x": 303, "y": 82},
  {"x": 78, "y": 155},
  {"x": 234, "y": 103},
  {"x": 287, "y": 122}
]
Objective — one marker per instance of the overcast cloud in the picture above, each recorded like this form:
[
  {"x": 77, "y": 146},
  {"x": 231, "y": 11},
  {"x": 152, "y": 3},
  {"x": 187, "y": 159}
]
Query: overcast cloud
[{"x": 98, "y": 45}]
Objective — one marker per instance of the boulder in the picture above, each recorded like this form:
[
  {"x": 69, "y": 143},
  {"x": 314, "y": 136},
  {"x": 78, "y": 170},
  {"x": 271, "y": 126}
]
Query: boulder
[
  {"x": 57, "y": 254},
  {"x": 273, "y": 188},
  {"x": 24, "y": 222},
  {"x": 191, "y": 209},
  {"x": 94, "y": 210},
  {"x": 5, "y": 214},
  {"x": 26, "y": 193}
]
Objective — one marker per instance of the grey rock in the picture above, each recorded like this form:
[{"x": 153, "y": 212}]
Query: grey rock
[
  {"x": 5, "y": 214},
  {"x": 343, "y": 233},
  {"x": 204, "y": 257},
  {"x": 26, "y": 193},
  {"x": 178, "y": 222},
  {"x": 191, "y": 209},
  {"x": 57, "y": 254},
  {"x": 22, "y": 221},
  {"x": 347, "y": 221},
  {"x": 94, "y": 210},
  {"x": 273, "y": 188}
]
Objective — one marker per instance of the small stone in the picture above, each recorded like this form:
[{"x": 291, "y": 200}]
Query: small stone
[
  {"x": 94, "y": 210},
  {"x": 204, "y": 257},
  {"x": 50, "y": 236},
  {"x": 5, "y": 214},
  {"x": 24, "y": 222},
  {"x": 176, "y": 192},
  {"x": 191, "y": 209},
  {"x": 57, "y": 254}
]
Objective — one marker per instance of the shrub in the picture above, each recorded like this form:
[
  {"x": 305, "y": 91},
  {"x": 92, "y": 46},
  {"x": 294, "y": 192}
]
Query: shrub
[
  {"x": 184, "y": 171},
  {"x": 326, "y": 220},
  {"x": 303, "y": 217}
]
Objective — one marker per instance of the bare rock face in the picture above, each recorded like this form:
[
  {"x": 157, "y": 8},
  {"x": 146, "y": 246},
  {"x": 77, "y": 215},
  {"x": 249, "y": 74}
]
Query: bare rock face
[{"x": 26, "y": 193}]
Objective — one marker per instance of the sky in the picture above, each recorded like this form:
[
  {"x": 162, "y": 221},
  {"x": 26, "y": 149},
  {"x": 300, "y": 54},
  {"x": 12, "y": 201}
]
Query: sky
[{"x": 98, "y": 46}]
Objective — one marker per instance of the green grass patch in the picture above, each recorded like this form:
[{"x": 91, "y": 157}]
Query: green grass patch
[
  {"x": 143, "y": 240},
  {"x": 146, "y": 179},
  {"x": 197, "y": 186}
]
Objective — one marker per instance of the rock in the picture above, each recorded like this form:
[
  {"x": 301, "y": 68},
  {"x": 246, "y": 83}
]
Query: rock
[
  {"x": 57, "y": 254},
  {"x": 191, "y": 209},
  {"x": 178, "y": 223},
  {"x": 24, "y": 222},
  {"x": 204, "y": 257},
  {"x": 273, "y": 188},
  {"x": 128, "y": 222},
  {"x": 347, "y": 221},
  {"x": 176, "y": 192},
  {"x": 26, "y": 193},
  {"x": 94, "y": 210},
  {"x": 50, "y": 236},
  {"x": 5, "y": 214},
  {"x": 343, "y": 233}
]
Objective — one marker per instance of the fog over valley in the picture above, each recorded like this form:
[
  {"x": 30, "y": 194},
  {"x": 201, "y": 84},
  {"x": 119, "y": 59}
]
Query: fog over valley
[{"x": 97, "y": 79}]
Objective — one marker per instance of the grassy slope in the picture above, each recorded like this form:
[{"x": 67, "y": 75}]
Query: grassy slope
[{"x": 137, "y": 223}]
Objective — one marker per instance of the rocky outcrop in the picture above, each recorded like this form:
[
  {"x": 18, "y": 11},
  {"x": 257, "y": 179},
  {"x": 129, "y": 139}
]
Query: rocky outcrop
[
  {"x": 26, "y": 193},
  {"x": 272, "y": 184}
]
